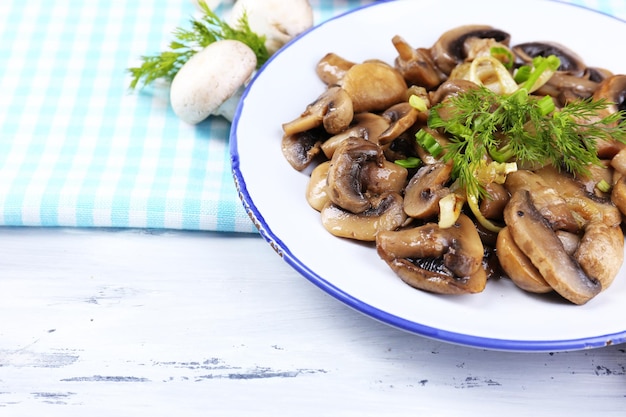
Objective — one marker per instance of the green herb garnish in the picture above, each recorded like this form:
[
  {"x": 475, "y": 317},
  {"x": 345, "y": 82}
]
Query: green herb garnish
[
  {"x": 409, "y": 163},
  {"x": 204, "y": 31},
  {"x": 524, "y": 128}
]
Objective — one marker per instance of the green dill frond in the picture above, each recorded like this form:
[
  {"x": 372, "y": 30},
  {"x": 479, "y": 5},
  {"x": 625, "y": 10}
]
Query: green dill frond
[
  {"x": 204, "y": 31},
  {"x": 482, "y": 124}
]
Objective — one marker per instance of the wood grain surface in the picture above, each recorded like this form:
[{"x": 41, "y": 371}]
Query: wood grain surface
[{"x": 107, "y": 322}]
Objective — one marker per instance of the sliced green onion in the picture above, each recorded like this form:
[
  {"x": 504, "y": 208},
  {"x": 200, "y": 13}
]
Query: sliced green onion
[
  {"x": 543, "y": 68},
  {"x": 603, "y": 186},
  {"x": 546, "y": 105},
  {"x": 435, "y": 121},
  {"x": 522, "y": 74},
  {"x": 503, "y": 154},
  {"x": 408, "y": 163},
  {"x": 429, "y": 143},
  {"x": 417, "y": 103},
  {"x": 503, "y": 55}
]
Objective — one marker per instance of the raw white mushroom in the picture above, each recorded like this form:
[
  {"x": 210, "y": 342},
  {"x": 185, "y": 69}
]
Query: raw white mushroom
[
  {"x": 278, "y": 20},
  {"x": 212, "y": 81}
]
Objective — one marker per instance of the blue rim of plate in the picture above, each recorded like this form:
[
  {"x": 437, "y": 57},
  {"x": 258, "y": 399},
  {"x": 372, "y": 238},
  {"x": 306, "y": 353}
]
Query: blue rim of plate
[{"x": 395, "y": 321}]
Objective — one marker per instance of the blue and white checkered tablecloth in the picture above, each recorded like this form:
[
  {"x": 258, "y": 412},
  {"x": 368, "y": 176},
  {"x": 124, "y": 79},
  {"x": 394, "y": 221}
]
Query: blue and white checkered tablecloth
[{"x": 78, "y": 149}]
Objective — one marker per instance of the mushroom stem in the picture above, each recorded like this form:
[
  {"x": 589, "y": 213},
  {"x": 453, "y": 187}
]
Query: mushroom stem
[{"x": 229, "y": 107}]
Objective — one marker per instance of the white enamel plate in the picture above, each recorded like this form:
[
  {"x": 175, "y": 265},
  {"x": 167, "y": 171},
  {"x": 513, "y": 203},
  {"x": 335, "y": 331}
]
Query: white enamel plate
[{"x": 503, "y": 317}]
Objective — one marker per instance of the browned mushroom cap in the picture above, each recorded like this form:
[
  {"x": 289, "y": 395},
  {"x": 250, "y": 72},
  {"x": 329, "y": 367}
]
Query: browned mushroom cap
[
  {"x": 601, "y": 252},
  {"x": 450, "y": 48},
  {"x": 546, "y": 199},
  {"x": 386, "y": 177},
  {"x": 518, "y": 266},
  {"x": 316, "y": 194},
  {"x": 497, "y": 198},
  {"x": 450, "y": 88},
  {"x": 579, "y": 198},
  {"x": 445, "y": 261},
  {"x": 597, "y": 74},
  {"x": 571, "y": 62},
  {"x": 332, "y": 68},
  {"x": 385, "y": 213},
  {"x": 571, "y": 81},
  {"x": 536, "y": 239},
  {"x": 373, "y": 86},
  {"x": 368, "y": 126},
  {"x": 401, "y": 117},
  {"x": 301, "y": 149},
  {"x": 425, "y": 189},
  {"x": 379, "y": 179},
  {"x": 345, "y": 182},
  {"x": 566, "y": 88},
  {"x": 618, "y": 194},
  {"x": 613, "y": 90},
  {"x": 416, "y": 65},
  {"x": 332, "y": 109}
]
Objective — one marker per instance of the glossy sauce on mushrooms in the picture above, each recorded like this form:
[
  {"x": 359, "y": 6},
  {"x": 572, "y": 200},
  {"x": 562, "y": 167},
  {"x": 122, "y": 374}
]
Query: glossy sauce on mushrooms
[{"x": 546, "y": 230}]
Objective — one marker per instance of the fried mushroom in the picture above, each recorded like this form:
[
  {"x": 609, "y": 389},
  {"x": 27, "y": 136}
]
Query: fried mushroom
[
  {"x": 536, "y": 239},
  {"x": 384, "y": 213},
  {"x": 434, "y": 259},
  {"x": 346, "y": 188},
  {"x": 332, "y": 109}
]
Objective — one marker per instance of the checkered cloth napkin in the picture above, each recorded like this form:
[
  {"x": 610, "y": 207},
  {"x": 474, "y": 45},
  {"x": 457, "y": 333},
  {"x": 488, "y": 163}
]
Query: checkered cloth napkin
[{"x": 78, "y": 149}]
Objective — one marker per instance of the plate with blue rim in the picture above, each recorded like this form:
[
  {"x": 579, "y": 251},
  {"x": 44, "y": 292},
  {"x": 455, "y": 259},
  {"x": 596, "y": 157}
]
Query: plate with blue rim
[{"x": 502, "y": 317}]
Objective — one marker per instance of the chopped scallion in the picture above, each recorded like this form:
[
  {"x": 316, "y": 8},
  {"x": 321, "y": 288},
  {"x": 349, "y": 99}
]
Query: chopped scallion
[{"x": 408, "y": 163}]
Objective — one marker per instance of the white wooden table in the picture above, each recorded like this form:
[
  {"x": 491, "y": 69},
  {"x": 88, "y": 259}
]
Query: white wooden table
[{"x": 139, "y": 323}]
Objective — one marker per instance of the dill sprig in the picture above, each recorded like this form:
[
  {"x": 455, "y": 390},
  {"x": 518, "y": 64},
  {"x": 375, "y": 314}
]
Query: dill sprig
[
  {"x": 204, "y": 31},
  {"x": 484, "y": 125}
]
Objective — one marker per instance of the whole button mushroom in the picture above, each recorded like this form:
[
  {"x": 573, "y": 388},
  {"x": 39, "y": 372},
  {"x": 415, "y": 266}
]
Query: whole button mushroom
[
  {"x": 278, "y": 20},
  {"x": 212, "y": 81}
]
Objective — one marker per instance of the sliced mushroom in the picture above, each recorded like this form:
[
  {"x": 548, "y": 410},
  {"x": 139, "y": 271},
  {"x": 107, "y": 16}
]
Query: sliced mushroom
[
  {"x": 601, "y": 252},
  {"x": 368, "y": 126},
  {"x": 301, "y": 149},
  {"x": 613, "y": 90},
  {"x": 546, "y": 199},
  {"x": 332, "y": 109},
  {"x": 517, "y": 266},
  {"x": 332, "y": 68},
  {"x": 386, "y": 177},
  {"x": 450, "y": 49},
  {"x": 374, "y": 86},
  {"x": 536, "y": 239},
  {"x": 597, "y": 74},
  {"x": 618, "y": 194},
  {"x": 618, "y": 162},
  {"x": 569, "y": 240},
  {"x": 378, "y": 179},
  {"x": 345, "y": 181},
  {"x": 497, "y": 198},
  {"x": 425, "y": 189},
  {"x": 565, "y": 88},
  {"x": 444, "y": 261},
  {"x": 316, "y": 194},
  {"x": 578, "y": 198},
  {"x": 450, "y": 88},
  {"x": 601, "y": 249},
  {"x": 572, "y": 81},
  {"x": 417, "y": 65},
  {"x": 571, "y": 62},
  {"x": 385, "y": 213},
  {"x": 401, "y": 117}
]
